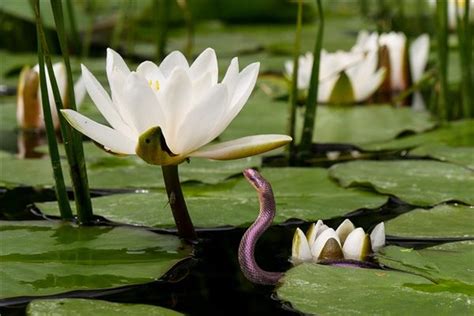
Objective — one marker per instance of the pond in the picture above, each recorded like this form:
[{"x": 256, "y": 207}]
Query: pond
[{"x": 375, "y": 154}]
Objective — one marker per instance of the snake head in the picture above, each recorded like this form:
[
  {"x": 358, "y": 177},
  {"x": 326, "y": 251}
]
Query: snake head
[{"x": 256, "y": 180}]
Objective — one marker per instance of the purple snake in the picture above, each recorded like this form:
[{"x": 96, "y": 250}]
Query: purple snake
[{"x": 249, "y": 266}]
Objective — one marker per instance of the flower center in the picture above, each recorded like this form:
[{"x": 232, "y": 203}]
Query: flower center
[{"x": 154, "y": 84}]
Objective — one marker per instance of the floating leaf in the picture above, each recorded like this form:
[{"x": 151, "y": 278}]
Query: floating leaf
[
  {"x": 75, "y": 306},
  {"x": 326, "y": 290},
  {"x": 450, "y": 265},
  {"x": 369, "y": 123},
  {"x": 440, "y": 221},
  {"x": 418, "y": 182},
  {"x": 43, "y": 258},
  {"x": 306, "y": 194},
  {"x": 463, "y": 156},
  {"x": 456, "y": 134}
]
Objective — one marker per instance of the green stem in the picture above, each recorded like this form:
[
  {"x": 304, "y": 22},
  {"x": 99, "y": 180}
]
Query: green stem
[
  {"x": 312, "y": 100},
  {"x": 442, "y": 51},
  {"x": 76, "y": 40},
  {"x": 73, "y": 140},
  {"x": 464, "y": 39},
  {"x": 294, "y": 84},
  {"x": 178, "y": 204},
  {"x": 60, "y": 187}
]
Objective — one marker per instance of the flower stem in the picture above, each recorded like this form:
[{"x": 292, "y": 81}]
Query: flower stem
[
  {"x": 73, "y": 140},
  {"x": 294, "y": 83},
  {"x": 311, "y": 102},
  {"x": 60, "y": 187},
  {"x": 178, "y": 204}
]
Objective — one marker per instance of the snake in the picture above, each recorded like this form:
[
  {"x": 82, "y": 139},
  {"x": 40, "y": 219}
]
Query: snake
[{"x": 246, "y": 255}]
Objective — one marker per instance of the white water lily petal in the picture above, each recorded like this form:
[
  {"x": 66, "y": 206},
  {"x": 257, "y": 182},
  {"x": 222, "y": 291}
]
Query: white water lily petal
[
  {"x": 150, "y": 71},
  {"x": 200, "y": 86},
  {"x": 176, "y": 98},
  {"x": 141, "y": 104},
  {"x": 353, "y": 248},
  {"x": 174, "y": 60},
  {"x": 418, "y": 54},
  {"x": 320, "y": 242},
  {"x": 344, "y": 230},
  {"x": 245, "y": 83},
  {"x": 300, "y": 250},
  {"x": 231, "y": 76},
  {"x": 79, "y": 92},
  {"x": 242, "y": 147},
  {"x": 366, "y": 88},
  {"x": 103, "y": 102},
  {"x": 209, "y": 111},
  {"x": 314, "y": 230},
  {"x": 395, "y": 43},
  {"x": 117, "y": 70},
  {"x": 377, "y": 237},
  {"x": 111, "y": 139},
  {"x": 205, "y": 63}
]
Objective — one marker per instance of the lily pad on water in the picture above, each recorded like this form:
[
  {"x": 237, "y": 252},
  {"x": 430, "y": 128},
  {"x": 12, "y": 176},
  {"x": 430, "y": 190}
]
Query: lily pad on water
[
  {"x": 418, "y": 182},
  {"x": 463, "y": 156},
  {"x": 455, "y": 134},
  {"x": 326, "y": 290},
  {"x": 306, "y": 194},
  {"x": 449, "y": 265},
  {"x": 108, "y": 171},
  {"x": 369, "y": 123},
  {"x": 440, "y": 221},
  {"x": 75, "y": 306},
  {"x": 43, "y": 258}
]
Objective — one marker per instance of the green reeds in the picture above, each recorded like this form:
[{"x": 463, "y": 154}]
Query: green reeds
[
  {"x": 76, "y": 40},
  {"x": 60, "y": 187},
  {"x": 312, "y": 100},
  {"x": 73, "y": 139},
  {"x": 294, "y": 84},
  {"x": 465, "y": 53},
  {"x": 163, "y": 11},
  {"x": 442, "y": 54}
]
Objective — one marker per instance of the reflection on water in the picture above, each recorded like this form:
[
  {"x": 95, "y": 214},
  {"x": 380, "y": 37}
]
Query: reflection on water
[{"x": 27, "y": 143}]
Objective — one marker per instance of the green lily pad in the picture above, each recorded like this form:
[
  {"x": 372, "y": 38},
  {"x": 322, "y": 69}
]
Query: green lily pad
[
  {"x": 441, "y": 221},
  {"x": 306, "y": 194},
  {"x": 369, "y": 123},
  {"x": 455, "y": 134},
  {"x": 326, "y": 290},
  {"x": 463, "y": 156},
  {"x": 103, "y": 169},
  {"x": 32, "y": 172},
  {"x": 76, "y": 306},
  {"x": 450, "y": 265},
  {"x": 43, "y": 258},
  {"x": 418, "y": 182}
]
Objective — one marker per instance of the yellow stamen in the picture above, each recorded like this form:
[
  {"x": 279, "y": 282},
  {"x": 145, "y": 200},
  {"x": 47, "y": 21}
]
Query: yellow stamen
[{"x": 154, "y": 84}]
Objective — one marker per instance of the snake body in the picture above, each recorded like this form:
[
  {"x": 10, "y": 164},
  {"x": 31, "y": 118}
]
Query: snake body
[{"x": 248, "y": 265}]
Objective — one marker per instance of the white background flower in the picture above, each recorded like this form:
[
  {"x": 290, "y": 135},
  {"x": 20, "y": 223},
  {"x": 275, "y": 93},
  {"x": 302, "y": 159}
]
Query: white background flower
[
  {"x": 29, "y": 103},
  {"x": 183, "y": 105}
]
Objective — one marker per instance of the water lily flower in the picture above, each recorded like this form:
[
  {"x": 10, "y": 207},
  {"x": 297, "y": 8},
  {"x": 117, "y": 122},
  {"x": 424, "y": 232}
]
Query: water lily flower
[
  {"x": 405, "y": 65},
  {"x": 344, "y": 77},
  {"x": 29, "y": 105},
  {"x": 346, "y": 242},
  {"x": 167, "y": 113}
]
